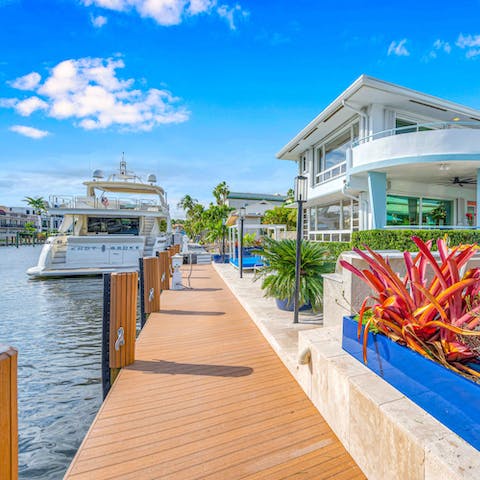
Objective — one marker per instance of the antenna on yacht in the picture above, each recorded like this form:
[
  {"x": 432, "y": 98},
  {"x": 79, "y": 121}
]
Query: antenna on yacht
[{"x": 123, "y": 165}]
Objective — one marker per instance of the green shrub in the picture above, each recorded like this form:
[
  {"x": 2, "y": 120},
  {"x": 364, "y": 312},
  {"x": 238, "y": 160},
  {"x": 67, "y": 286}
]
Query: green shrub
[
  {"x": 402, "y": 239},
  {"x": 334, "y": 249}
]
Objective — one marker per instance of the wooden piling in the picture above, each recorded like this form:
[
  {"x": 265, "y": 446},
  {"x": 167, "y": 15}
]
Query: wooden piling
[
  {"x": 123, "y": 314},
  {"x": 151, "y": 284},
  {"x": 8, "y": 414},
  {"x": 164, "y": 270},
  {"x": 119, "y": 324}
]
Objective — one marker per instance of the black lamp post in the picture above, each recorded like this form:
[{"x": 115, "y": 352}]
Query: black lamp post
[
  {"x": 223, "y": 239},
  {"x": 241, "y": 214},
  {"x": 300, "y": 198}
]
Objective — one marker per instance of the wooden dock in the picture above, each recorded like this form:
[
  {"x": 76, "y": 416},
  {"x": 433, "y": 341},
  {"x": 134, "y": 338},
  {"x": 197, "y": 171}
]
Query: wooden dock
[{"x": 208, "y": 398}]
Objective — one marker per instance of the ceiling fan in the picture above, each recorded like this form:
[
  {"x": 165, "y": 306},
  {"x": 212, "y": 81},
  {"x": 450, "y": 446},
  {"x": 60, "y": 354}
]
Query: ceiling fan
[{"x": 461, "y": 181}]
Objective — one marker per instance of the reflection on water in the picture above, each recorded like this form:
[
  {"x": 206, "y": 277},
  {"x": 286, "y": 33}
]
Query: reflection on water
[{"x": 56, "y": 326}]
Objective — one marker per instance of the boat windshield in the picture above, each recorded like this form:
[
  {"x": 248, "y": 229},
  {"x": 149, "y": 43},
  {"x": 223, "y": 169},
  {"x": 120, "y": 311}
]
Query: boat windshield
[{"x": 113, "y": 226}]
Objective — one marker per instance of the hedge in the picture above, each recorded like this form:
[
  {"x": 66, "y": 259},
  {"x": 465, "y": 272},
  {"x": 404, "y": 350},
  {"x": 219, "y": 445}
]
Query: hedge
[
  {"x": 401, "y": 239},
  {"x": 336, "y": 248}
]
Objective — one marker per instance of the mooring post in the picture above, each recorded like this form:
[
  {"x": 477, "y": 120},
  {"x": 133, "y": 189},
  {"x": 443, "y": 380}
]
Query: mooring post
[
  {"x": 17, "y": 239},
  {"x": 152, "y": 289},
  {"x": 8, "y": 414},
  {"x": 164, "y": 270}
]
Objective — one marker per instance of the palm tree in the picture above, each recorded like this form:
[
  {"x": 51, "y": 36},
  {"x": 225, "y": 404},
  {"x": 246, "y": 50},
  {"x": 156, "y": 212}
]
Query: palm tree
[
  {"x": 39, "y": 207},
  {"x": 220, "y": 192},
  {"x": 187, "y": 203}
]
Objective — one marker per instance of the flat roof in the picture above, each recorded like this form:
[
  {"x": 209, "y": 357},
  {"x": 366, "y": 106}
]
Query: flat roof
[{"x": 257, "y": 196}]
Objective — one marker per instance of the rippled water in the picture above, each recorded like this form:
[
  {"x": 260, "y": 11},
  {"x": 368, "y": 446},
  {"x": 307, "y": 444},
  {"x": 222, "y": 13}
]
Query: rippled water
[{"x": 56, "y": 326}]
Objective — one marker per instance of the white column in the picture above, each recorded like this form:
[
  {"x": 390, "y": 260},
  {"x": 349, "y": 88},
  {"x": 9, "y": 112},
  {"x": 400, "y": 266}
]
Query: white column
[{"x": 377, "y": 187}]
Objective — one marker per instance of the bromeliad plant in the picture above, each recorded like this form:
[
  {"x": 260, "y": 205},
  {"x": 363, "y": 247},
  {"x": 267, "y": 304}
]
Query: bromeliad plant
[{"x": 440, "y": 319}]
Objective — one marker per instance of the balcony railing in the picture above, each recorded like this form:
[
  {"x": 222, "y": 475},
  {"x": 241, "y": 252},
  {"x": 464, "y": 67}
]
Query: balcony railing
[
  {"x": 331, "y": 173},
  {"x": 421, "y": 127}
]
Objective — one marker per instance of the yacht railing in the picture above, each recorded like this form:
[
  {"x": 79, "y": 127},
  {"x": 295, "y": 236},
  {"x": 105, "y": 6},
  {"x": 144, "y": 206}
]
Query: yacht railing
[
  {"x": 103, "y": 203},
  {"x": 420, "y": 127},
  {"x": 331, "y": 173}
]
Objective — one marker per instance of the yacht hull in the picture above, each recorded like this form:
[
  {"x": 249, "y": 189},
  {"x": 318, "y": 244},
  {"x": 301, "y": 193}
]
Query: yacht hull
[{"x": 71, "y": 256}]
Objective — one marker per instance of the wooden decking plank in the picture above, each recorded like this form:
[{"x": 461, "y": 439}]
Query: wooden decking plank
[{"x": 208, "y": 398}]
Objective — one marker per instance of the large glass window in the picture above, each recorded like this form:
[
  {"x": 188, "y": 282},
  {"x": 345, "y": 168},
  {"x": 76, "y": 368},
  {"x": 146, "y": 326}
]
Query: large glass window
[
  {"x": 337, "y": 216},
  {"x": 336, "y": 150},
  {"x": 403, "y": 210},
  {"x": 436, "y": 212},
  {"x": 408, "y": 126},
  {"x": 328, "y": 217},
  {"x": 404, "y": 125},
  {"x": 113, "y": 226}
]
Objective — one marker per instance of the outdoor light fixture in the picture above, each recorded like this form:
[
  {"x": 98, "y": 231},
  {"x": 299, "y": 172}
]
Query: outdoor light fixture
[
  {"x": 300, "y": 188},
  {"x": 241, "y": 215},
  {"x": 300, "y": 197}
]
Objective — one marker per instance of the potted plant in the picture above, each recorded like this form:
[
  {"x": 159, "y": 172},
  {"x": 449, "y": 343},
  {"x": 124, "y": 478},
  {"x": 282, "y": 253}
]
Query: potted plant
[
  {"x": 426, "y": 341},
  {"x": 439, "y": 214},
  {"x": 470, "y": 219},
  {"x": 278, "y": 273}
]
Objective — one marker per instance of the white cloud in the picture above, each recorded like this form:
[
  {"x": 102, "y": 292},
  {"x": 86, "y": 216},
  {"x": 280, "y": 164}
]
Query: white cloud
[
  {"x": 470, "y": 43},
  {"x": 29, "y": 131},
  {"x": 438, "y": 46},
  {"x": 28, "y": 106},
  {"x": 231, "y": 13},
  {"x": 88, "y": 91},
  {"x": 27, "y": 82},
  {"x": 442, "y": 46},
  {"x": 398, "y": 48},
  {"x": 172, "y": 12},
  {"x": 99, "y": 21}
]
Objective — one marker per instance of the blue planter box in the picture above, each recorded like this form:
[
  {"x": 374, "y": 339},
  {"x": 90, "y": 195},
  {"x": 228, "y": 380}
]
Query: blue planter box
[
  {"x": 219, "y": 258},
  {"x": 450, "y": 398}
]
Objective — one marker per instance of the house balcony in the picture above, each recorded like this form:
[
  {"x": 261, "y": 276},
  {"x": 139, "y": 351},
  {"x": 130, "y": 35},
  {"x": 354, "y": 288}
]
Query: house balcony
[{"x": 421, "y": 144}]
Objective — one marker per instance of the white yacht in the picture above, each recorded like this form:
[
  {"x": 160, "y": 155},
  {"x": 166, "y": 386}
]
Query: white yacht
[{"x": 103, "y": 233}]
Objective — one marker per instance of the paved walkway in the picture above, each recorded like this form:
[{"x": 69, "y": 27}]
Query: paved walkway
[{"x": 208, "y": 398}]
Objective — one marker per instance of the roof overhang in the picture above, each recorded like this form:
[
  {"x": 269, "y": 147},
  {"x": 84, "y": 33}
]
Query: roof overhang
[
  {"x": 126, "y": 187},
  {"x": 363, "y": 92}
]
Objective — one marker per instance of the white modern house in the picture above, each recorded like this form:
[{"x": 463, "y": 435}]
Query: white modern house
[{"x": 385, "y": 156}]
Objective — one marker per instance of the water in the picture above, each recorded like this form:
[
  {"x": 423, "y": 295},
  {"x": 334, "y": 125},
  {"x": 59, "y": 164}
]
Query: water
[{"x": 56, "y": 326}]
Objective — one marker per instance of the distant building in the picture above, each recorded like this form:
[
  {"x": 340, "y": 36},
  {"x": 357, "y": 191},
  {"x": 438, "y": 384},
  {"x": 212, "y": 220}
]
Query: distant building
[
  {"x": 13, "y": 220},
  {"x": 238, "y": 199},
  {"x": 256, "y": 204}
]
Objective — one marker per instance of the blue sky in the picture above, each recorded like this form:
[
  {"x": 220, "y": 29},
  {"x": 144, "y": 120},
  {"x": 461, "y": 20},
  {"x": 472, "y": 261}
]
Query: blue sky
[{"x": 202, "y": 91}]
